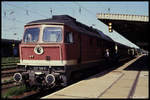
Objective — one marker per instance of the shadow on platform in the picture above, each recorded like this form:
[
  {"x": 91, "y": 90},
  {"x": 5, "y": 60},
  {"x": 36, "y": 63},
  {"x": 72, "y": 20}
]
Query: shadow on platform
[
  {"x": 139, "y": 65},
  {"x": 108, "y": 67}
]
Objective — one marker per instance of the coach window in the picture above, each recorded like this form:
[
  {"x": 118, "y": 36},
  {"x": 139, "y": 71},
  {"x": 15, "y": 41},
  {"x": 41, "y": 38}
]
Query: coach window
[{"x": 69, "y": 37}]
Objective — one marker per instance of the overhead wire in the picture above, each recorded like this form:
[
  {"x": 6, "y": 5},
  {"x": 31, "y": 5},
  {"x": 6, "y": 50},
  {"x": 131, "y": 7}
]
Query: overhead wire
[
  {"x": 27, "y": 10},
  {"x": 14, "y": 19},
  {"x": 85, "y": 9},
  {"x": 7, "y": 14}
]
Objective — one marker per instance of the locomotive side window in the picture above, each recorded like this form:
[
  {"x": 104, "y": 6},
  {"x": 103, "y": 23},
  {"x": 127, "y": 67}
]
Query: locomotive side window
[
  {"x": 52, "y": 34},
  {"x": 69, "y": 37},
  {"x": 31, "y": 35}
]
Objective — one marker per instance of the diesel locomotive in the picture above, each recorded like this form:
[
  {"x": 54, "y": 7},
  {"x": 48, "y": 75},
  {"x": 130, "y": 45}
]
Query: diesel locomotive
[{"x": 52, "y": 49}]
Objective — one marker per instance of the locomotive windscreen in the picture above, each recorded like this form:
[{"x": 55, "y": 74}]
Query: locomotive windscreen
[
  {"x": 31, "y": 35},
  {"x": 52, "y": 34}
]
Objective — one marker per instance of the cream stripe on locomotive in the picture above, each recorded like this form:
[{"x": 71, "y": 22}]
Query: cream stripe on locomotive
[
  {"x": 52, "y": 62},
  {"x": 48, "y": 63}
]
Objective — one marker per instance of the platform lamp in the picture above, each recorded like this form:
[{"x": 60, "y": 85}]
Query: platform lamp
[
  {"x": 13, "y": 45},
  {"x": 110, "y": 27}
]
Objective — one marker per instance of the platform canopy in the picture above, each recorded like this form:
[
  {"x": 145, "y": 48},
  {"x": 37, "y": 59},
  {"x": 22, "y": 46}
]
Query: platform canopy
[{"x": 132, "y": 27}]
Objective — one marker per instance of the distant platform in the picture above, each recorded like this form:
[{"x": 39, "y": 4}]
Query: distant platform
[
  {"x": 128, "y": 81},
  {"x": 122, "y": 17}
]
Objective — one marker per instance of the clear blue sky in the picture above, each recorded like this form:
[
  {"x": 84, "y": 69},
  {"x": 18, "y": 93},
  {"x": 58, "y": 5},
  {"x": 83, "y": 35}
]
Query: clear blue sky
[{"x": 16, "y": 14}]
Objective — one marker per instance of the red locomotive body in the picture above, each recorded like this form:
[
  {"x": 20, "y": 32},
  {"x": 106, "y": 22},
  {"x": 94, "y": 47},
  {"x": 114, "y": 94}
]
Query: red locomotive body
[{"x": 52, "y": 49}]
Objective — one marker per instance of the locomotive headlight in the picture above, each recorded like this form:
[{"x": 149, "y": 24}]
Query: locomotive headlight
[
  {"x": 17, "y": 77},
  {"x": 38, "y": 49},
  {"x": 50, "y": 79}
]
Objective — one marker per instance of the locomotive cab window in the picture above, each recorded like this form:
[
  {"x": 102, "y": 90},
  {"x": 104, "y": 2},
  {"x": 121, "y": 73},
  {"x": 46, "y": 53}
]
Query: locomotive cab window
[
  {"x": 52, "y": 34},
  {"x": 69, "y": 37}
]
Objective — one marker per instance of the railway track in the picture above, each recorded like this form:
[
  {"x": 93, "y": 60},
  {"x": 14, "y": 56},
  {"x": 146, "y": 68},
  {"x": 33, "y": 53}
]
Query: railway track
[
  {"x": 7, "y": 81},
  {"x": 10, "y": 71},
  {"x": 8, "y": 68},
  {"x": 8, "y": 85}
]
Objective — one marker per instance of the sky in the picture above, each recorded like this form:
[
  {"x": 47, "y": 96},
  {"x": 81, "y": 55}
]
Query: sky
[{"x": 15, "y": 15}]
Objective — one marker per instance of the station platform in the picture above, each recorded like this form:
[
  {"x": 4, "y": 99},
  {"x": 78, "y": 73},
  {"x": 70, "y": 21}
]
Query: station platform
[{"x": 127, "y": 81}]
